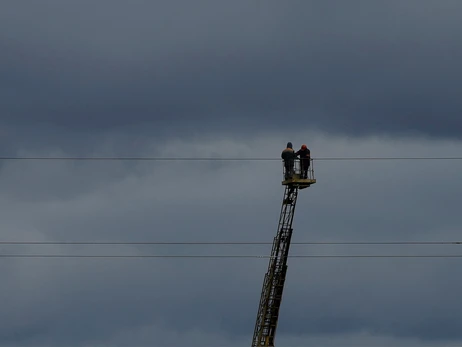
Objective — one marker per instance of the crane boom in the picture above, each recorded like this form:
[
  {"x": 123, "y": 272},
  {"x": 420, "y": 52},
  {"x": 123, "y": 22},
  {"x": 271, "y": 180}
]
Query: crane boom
[{"x": 273, "y": 283}]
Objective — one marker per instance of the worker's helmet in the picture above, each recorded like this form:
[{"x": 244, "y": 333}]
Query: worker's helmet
[
  {"x": 289, "y": 144},
  {"x": 304, "y": 147}
]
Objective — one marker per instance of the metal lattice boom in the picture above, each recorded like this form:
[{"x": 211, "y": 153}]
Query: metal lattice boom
[{"x": 273, "y": 284}]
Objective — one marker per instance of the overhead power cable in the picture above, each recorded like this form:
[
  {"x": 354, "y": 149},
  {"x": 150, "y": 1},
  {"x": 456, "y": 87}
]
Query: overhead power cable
[
  {"x": 222, "y": 256},
  {"x": 226, "y": 243},
  {"x": 220, "y": 159}
]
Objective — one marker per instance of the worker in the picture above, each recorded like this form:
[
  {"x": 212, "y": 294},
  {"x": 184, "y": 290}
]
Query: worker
[
  {"x": 288, "y": 156},
  {"x": 305, "y": 158}
]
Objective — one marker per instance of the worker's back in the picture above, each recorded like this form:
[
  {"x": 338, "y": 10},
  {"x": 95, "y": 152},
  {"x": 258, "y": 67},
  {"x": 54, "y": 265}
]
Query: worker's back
[{"x": 288, "y": 153}]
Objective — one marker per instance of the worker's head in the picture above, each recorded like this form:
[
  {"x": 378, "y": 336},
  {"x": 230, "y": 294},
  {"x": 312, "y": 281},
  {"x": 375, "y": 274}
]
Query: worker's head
[
  {"x": 289, "y": 144},
  {"x": 304, "y": 147}
]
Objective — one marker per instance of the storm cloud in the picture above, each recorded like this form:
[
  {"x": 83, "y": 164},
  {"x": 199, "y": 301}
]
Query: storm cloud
[
  {"x": 232, "y": 80},
  {"x": 179, "y": 67}
]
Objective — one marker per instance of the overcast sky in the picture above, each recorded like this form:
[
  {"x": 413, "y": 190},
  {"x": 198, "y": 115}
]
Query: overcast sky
[{"x": 231, "y": 79}]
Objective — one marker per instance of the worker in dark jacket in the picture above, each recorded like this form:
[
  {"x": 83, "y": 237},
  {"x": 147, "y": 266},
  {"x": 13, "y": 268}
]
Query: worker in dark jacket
[
  {"x": 288, "y": 156},
  {"x": 305, "y": 157}
]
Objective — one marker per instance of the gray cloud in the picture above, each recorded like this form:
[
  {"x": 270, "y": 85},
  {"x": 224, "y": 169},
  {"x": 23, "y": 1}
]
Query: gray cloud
[
  {"x": 183, "y": 68},
  {"x": 232, "y": 79},
  {"x": 85, "y": 302}
]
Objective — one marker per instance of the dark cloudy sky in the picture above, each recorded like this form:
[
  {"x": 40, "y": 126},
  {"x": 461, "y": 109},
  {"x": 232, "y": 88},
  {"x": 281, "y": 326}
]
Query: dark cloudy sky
[{"x": 232, "y": 79}]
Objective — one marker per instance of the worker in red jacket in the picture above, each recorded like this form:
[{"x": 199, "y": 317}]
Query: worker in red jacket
[{"x": 305, "y": 157}]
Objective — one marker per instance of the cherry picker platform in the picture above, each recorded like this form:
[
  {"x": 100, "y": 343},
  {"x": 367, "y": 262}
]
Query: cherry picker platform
[
  {"x": 273, "y": 283},
  {"x": 295, "y": 175}
]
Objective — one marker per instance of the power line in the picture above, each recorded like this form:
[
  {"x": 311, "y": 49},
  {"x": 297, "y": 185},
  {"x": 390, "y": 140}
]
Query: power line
[
  {"x": 390, "y": 158},
  {"x": 221, "y": 256},
  {"x": 220, "y": 159},
  {"x": 225, "y": 243}
]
